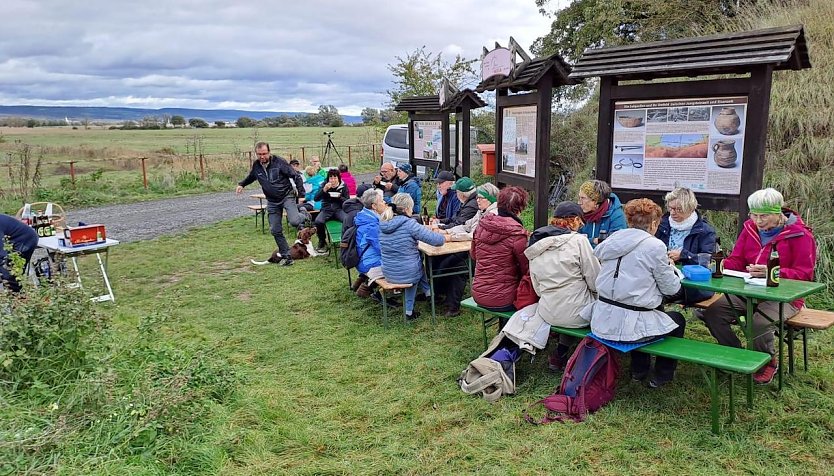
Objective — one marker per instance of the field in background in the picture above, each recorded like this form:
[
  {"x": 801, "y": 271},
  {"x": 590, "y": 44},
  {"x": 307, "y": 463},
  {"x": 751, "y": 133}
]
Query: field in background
[{"x": 107, "y": 164}]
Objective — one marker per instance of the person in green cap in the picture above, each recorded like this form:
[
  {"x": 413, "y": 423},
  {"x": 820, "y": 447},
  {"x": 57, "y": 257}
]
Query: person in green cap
[{"x": 465, "y": 190}]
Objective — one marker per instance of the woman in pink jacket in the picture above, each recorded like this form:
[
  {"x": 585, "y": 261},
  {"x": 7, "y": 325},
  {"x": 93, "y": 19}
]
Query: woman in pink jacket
[{"x": 771, "y": 227}]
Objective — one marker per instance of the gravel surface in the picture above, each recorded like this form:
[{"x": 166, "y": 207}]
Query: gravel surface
[{"x": 147, "y": 220}]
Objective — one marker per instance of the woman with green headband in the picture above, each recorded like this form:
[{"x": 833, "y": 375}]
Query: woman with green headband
[
  {"x": 771, "y": 226},
  {"x": 487, "y": 197}
]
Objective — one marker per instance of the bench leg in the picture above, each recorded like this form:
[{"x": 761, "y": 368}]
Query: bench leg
[
  {"x": 384, "y": 308},
  {"x": 711, "y": 376},
  {"x": 805, "y": 348},
  {"x": 790, "y": 350},
  {"x": 732, "y": 398}
]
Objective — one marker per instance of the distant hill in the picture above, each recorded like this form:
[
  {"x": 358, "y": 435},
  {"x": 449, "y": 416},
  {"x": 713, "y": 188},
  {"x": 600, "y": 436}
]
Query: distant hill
[{"x": 118, "y": 114}]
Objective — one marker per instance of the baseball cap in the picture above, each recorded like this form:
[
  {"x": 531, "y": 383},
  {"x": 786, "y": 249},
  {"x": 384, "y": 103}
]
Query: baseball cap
[
  {"x": 567, "y": 210},
  {"x": 444, "y": 176},
  {"x": 464, "y": 184}
]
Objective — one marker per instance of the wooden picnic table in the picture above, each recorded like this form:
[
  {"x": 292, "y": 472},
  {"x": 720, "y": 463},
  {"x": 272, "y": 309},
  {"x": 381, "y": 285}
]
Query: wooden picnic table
[{"x": 448, "y": 248}]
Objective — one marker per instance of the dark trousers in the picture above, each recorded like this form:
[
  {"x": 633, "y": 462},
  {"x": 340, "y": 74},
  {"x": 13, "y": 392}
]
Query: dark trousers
[
  {"x": 664, "y": 368},
  {"x": 451, "y": 286},
  {"x": 720, "y": 317},
  {"x": 324, "y": 216},
  {"x": 275, "y": 212},
  {"x": 502, "y": 321}
]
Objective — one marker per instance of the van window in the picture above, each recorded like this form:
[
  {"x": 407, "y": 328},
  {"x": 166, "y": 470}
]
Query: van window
[{"x": 397, "y": 138}]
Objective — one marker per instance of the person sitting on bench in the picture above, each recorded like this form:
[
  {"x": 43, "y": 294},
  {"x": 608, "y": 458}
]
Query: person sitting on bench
[
  {"x": 635, "y": 276},
  {"x": 332, "y": 196}
]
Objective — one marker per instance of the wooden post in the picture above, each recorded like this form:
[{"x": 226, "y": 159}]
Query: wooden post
[
  {"x": 202, "y": 169},
  {"x": 373, "y": 152},
  {"x": 72, "y": 171},
  {"x": 350, "y": 163},
  {"x": 303, "y": 162},
  {"x": 144, "y": 174}
]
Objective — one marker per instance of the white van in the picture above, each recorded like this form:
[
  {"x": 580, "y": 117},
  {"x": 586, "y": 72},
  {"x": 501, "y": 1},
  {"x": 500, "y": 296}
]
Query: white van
[{"x": 395, "y": 145}]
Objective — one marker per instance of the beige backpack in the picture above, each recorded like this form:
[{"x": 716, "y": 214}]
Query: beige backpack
[{"x": 486, "y": 377}]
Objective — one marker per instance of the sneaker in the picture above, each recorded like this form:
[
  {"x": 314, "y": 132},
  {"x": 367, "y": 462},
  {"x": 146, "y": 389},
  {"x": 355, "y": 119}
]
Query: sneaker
[
  {"x": 413, "y": 316},
  {"x": 285, "y": 262},
  {"x": 765, "y": 375},
  {"x": 639, "y": 376},
  {"x": 321, "y": 249},
  {"x": 555, "y": 364},
  {"x": 657, "y": 382},
  {"x": 452, "y": 311}
]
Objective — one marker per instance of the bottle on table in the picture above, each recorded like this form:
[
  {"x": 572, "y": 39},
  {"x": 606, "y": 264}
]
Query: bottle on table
[
  {"x": 603, "y": 234},
  {"x": 425, "y": 216},
  {"x": 773, "y": 269},
  {"x": 717, "y": 262}
]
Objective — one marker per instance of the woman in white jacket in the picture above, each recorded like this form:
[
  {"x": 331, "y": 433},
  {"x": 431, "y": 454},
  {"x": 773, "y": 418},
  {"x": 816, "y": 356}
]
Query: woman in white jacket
[
  {"x": 563, "y": 270},
  {"x": 636, "y": 275}
]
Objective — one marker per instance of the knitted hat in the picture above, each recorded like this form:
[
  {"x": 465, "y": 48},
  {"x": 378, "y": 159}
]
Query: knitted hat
[
  {"x": 405, "y": 167},
  {"x": 567, "y": 210},
  {"x": 464, "y": 184},
  {"x": 360, "y": 190},
  {"x": 588, "y": 189}
]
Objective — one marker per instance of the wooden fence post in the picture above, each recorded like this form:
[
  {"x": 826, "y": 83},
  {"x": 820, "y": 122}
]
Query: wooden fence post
[
  {"x": 202, "y": 169},
  {"x": 350, "y": 163},
  {"x": 144, "y": 174},
  {"x": 303, "y": 161},
  {"x": 72, "y": 171},
  {"x": 373, "y": 152}
]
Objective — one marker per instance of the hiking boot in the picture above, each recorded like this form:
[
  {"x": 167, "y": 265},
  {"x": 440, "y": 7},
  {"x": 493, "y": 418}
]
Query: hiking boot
[
  {"x": 639, "y": 376},
  {"x": 285, "y": 262},
  {"x": 765, "y": 375},
  {"x": 359, "y": 281},
  {"x": 452, "y": 311},
  {"x": 413, "y": 316},
  {"x": 657, "y": 381},
  {"x": 364, "y": 290},
  {"x": 555, "y": 364}
]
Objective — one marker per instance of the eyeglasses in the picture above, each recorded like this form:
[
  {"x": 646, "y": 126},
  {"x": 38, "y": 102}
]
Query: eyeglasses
[
  {"x": 759, "y": 216},
  {"x": 584, "y": 199},
  {"x": 675, "y": 209}
]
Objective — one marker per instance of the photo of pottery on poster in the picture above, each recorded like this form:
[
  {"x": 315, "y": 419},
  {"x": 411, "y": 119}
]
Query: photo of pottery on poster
[
  {"x": 696, "y": 143},
  {"x": 518, "y": 140},
  {"x": 428, "y": 138}
]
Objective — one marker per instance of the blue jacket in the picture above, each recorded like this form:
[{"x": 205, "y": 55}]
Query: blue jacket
[
  {"x": 315, "y": 182},
  {"x": 701, "y": 239},
  {"x": 367, "y": 240},
  {"x": 398, "y": 239},
  {"x": 452, "y": 204},
  {"x": 412, "y": 187},
  {"x": 613, "y": 220}
]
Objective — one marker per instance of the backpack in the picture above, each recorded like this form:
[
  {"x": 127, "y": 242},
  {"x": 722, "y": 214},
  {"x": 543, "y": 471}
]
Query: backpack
[
  {"x": 588, "y": 383},
  {"x": 349, "y": 255},
  {"x": 492, "y": 374}
]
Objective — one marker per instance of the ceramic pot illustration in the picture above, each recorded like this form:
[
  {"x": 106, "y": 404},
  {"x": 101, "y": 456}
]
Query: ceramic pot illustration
[
  {"x": 727, "y": 121},
  {"x": 725, "y": 153}
]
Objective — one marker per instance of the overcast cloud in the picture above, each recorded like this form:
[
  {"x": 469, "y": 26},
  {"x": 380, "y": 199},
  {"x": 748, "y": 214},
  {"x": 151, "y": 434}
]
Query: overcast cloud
[{"x": 266, "y": 55}]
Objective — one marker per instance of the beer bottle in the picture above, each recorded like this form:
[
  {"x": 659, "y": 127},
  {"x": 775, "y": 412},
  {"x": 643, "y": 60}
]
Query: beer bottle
[
  {"x": 603, "y": 234},
  {"x": 425, "y": 216},
  {"x": 773, "y": 269},
  {"x": 717, "y": 264}
]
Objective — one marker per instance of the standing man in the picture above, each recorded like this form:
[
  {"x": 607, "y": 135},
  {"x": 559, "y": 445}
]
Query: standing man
[
  {"x": 387, "y": 181},
  {"x": 281, "y": 185},
  {"x": 24, "y": 240}
]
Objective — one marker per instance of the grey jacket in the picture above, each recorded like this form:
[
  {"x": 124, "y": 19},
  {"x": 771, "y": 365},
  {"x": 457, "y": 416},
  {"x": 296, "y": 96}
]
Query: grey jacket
[
  {"x": 464, "y": 232},
  {"x": 644, "y": 277},
  {"x": 564, "y": 271}
]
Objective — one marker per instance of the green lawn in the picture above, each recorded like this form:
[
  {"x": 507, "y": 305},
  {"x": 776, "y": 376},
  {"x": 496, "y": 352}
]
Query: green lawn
[{"x": 325, "y": 389}]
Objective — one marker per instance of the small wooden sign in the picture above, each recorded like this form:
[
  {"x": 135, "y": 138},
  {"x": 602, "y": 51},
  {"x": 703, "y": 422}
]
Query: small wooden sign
[{"x": 497, "y": 62}]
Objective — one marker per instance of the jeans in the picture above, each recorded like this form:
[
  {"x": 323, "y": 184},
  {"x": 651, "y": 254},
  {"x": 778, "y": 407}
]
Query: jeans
[
  {"x": 275, "y": 212},
  {"x": 411, "y": 293}
]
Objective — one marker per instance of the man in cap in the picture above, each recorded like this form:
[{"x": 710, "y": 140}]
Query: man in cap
[
  {"x": 447, "y": 199},
  {"x": 410, "y": 185},
  {"x": 464, "y": 189}
]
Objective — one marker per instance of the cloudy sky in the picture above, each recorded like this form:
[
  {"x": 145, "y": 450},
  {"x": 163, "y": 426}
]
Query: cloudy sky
[{"x": 237, "y": 54}]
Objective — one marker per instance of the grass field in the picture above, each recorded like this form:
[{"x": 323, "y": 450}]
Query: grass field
[
  {"x": 318, "y": 386},
  {"x": 108, "y": 168}
]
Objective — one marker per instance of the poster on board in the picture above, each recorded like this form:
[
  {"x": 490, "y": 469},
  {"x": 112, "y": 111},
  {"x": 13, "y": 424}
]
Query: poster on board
[
  {"x": 518, "y": 140},
  {"x": 694, "y": 143},
  {"x": 428, "y": 140}
]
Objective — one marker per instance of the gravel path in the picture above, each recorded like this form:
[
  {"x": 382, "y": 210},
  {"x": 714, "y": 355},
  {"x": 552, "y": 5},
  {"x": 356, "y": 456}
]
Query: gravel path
[{"x": 147, "y": 220}]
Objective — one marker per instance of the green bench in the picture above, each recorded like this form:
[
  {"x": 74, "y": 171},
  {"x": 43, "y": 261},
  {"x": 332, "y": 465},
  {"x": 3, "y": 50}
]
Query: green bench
[{"x": 711, "y": 358}]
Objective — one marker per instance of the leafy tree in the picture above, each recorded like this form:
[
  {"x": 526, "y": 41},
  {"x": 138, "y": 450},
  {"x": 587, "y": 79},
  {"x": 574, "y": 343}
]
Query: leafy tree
[
  {"x": 177, "y": 121},
  {"x": 370, "y": 116},
  {"x": 420, "y": 73},
  {"x": 198, "y": 123},
  {"x": 244, "y": 121},
  {"x": 220, "y": 123}
]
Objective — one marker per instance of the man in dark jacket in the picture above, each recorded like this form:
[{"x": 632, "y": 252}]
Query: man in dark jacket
[
  {"x": 24, "y": 240},
  {"x": 281, "y": 185},
  {"x": 464, "y": 188},
  {"x": 387, "y": 181},
  {"x": 447, "y": 199}
]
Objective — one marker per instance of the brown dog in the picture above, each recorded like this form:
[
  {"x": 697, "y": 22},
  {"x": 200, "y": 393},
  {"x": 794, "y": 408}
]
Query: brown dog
[{"x": 302, "y": 248}]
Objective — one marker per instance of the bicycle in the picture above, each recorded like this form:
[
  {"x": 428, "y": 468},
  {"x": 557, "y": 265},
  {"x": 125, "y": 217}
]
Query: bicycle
[{"x": 558, "y": 191}]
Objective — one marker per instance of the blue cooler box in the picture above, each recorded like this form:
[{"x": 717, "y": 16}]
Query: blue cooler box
[{"x": 696, "y": 272}]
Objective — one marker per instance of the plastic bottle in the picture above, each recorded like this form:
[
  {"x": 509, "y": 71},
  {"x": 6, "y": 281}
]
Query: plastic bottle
[
  {"x": 98, "y": 236},
  {"x": 717, "y": 262},
  {"x": 26, "y": 216},
  {"x": 773, "y": 269}
]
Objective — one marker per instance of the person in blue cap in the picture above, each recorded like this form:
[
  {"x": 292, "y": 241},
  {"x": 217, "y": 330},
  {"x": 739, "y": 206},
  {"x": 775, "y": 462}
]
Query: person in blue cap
[{"x": 411, "y": 185}]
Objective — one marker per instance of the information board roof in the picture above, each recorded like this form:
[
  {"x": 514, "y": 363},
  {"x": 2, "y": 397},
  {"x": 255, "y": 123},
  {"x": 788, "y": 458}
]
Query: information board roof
[
  {"x": 526, "y": 76},
  {"x": 432, "y": 103},
  {"x": 736, "y": 53}
]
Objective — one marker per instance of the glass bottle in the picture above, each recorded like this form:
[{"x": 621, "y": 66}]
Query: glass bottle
[
  {"x": 773, "y": 269},
  {"x": 717, "y": 264}
]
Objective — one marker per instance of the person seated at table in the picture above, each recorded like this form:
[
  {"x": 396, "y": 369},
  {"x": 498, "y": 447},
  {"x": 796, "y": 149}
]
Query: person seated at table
[
  {"x": 387, "y": 181},
  {"x": 312, "y": 185},
  {"x": 296, "y": 165},
  {"x": 486, "y": 196},
  {"x": 498, "y": 246},
  {"x": 332, "y": 196},
  {"x": 23, "y": 239},
  {"x": 635, "y": 276},
  {"x": 367, "y": 237},
  {"x": 316, "y": 163},
  {"x": 409, "y": 184},
  {"x": 447, "y": 199},
  {"x": 771, "y": 226},
  {"x": 348, "y": 179},
  {"x": 602, "y": 210},
  {"x": 464, "y": 188},
  {"x": 398, "y": 237},
  {"x": 686, "y": 234},
  {"x": 563, "y": 271}
]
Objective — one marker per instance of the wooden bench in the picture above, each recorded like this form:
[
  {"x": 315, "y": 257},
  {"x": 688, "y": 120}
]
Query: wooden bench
[
  {"x": 260, "y": 210},
  {"x": 384, "y": 288},
  {"x": 711, "y": 357},
  {"x": 805, "y": 319}
]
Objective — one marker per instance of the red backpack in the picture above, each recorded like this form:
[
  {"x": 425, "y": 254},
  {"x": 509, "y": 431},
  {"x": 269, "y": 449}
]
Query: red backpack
[{"x": 588, "y": 383}]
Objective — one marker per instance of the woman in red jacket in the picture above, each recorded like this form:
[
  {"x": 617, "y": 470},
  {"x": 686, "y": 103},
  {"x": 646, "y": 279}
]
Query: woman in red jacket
[
  {"x": 498, "y": 250},
  {"x": 771, "y": 227}
]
